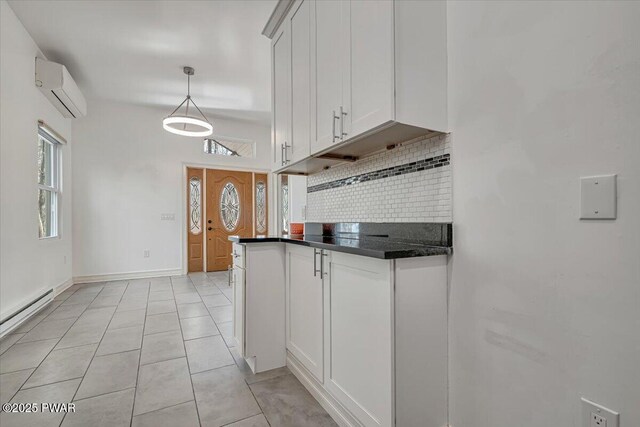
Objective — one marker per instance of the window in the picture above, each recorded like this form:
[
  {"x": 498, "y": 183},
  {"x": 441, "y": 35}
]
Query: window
[
  {"x": 261, "y": 207},
  {"x": 49, "y": 160},
  {"x": 284, "y": 203},
  {"x": 195, "y": 185},
  {"x": 229, "y": 147}
]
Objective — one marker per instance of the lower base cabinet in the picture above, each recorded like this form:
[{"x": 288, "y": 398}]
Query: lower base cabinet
[
  {"x": 359, "y": 336},
  {"x": 305, "y": 303},
  {"x": 259, "y": 304},
  {"x": 368, "y": 337},
  {"x": 238, "y": 284}
]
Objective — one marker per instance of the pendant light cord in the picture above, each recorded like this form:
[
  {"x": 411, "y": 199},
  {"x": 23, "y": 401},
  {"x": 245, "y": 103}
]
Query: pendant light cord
[{"x": 188, "y": 100}]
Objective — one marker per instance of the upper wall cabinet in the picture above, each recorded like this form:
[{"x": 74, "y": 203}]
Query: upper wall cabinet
[
  {"x": 363, "y": 75},
  {"x": 281, "y": 102},
  {"x": 299, "y": 23}
]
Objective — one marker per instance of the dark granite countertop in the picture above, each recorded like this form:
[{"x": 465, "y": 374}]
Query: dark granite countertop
[{"x": 372, "y": 246}]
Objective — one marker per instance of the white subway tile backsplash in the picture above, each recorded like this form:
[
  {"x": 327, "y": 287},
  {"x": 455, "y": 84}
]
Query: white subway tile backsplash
[{"x": 367, "y": 191}]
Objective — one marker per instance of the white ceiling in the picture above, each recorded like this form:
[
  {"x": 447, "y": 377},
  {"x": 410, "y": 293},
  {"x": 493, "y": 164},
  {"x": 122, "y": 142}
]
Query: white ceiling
[{"x": 134, "y": 51}]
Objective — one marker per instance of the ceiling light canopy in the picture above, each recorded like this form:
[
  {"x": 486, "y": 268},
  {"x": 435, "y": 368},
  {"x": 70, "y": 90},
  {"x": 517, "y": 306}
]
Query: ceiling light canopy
[{"x": 184, "y": 124}]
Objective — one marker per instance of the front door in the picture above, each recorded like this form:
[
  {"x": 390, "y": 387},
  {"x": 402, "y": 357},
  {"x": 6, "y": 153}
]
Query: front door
[{"x": 229, "y": 212}]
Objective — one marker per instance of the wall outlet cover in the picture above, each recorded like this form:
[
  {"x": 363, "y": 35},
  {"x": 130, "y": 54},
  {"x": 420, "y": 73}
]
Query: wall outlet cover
[
  {"x": 594, "y": 415},
  {"x": 598, "y": 197}
]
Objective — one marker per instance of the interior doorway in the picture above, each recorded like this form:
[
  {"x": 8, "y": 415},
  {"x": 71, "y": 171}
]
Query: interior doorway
[{"x": 222, "y": 203}]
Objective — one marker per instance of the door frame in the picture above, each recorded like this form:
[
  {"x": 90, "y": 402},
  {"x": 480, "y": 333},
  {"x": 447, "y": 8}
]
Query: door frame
[{"x": 184, "y": 199}]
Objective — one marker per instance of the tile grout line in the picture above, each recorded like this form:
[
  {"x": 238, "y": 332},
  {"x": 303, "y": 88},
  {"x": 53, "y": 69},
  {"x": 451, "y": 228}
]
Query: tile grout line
[
  {"x": 236, "y": 364},
  {"x": 97, "y": 346},
  {"x": 257, "y": 403},
  {"x": 193, "y": 390},
  {"x": 50, "y": 351},
  {"x": 144, "y": 325}
]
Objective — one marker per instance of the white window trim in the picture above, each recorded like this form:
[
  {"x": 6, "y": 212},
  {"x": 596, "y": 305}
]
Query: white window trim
[{"x": 56, "y": 187}]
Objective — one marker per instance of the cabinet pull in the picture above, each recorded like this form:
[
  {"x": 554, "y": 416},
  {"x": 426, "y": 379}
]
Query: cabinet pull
[
  {"x": 322, "y": 255},
  {"x": 315, "y": 263},
  {"x": 286, "y": 155},
  {"x": 343, "y": 114},
  {"x": 230, "y": 271},
  {"x": 281, "y": 154},
  {"x": 333, "y": 122}
]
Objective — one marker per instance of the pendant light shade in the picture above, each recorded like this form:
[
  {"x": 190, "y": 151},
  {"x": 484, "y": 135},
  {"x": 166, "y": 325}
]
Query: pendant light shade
[{"x": 184, "y": 124}]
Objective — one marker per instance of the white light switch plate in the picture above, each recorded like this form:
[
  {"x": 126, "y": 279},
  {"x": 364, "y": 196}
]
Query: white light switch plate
[{"x": 598, "y": 197}]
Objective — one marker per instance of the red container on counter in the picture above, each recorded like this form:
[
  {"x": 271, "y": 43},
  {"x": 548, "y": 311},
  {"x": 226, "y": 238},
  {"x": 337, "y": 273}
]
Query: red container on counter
[{"x": 296, "y": 228}]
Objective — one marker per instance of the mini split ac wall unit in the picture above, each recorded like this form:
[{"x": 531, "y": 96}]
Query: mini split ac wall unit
[{"x": 55, "y": 82}]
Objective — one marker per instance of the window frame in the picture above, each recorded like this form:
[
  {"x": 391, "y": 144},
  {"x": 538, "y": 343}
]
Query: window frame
[{"x": 56, "y": 183}]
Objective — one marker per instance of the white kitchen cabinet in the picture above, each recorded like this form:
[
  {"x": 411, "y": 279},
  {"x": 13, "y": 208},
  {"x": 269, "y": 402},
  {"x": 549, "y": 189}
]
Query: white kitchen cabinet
[
  {"x": 377, "y": 93},
  {"x": 378, "y": 76},
  {"x": 359, "y": 336},
  {"x": 281, "y": 102},
  {"x": 368, "y": 95},
  {"x": 299, "y": 22},
  {"x": 305, "y": 317},
  {"x": 327, "y": 53},
  {"x": 385, "y": 336},
  {"x": 259, "y": 304},
  {"x": 238, "y": 284}
]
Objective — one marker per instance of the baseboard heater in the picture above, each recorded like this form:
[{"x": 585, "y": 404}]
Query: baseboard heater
[{"x": 16, "y": 318}]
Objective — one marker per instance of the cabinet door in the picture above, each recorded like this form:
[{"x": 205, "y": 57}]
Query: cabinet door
[
  {"x": 281, "y": 81},
  {"x": 300, "y": 27},
  {"x": 238, "y": 283},
  {"x": 327, "y": 43},
  {"x": 304, "y": 296},
  {"x": 359, "y": 337},
  {"x": 368, "y": 95}
]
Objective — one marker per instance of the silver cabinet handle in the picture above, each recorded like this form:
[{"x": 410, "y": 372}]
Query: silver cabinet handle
[
  {"x": 230, "y": 270},
  {"x": 322, "y": 255},
  {"x": 334, "y": 118},
  {"x": 343, "y": 114},
  {"x": 281, "y": 154},
  {"x": 315, "y": 268}
]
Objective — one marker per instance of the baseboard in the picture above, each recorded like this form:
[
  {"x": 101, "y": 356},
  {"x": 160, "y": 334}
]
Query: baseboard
[
  {"x": 62, "y": 287},
  {"x": 339, "y": 414},
  {"x": 127, "y": 276}
]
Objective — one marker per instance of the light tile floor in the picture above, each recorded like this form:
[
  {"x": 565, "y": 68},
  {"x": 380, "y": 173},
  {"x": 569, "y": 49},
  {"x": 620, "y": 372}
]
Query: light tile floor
[{"x": 146, "y": 352}]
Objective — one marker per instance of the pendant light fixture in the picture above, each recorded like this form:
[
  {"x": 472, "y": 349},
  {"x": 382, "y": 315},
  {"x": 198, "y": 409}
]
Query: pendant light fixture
[{"x": 184, "y": 124}]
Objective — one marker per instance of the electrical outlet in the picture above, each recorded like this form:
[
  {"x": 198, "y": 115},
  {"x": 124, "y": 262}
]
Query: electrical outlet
[
  {"x": 147, "y": 253},
  {"x": 594, "y": 415},
  {"x": 597, "y": 420}
]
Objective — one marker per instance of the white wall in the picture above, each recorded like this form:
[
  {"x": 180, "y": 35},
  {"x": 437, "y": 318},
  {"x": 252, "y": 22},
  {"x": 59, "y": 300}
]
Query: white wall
[
  {"x": 127, "y": 171},
  {"x": 544, "y": 308},
  {"x": 28, "y": 266}
]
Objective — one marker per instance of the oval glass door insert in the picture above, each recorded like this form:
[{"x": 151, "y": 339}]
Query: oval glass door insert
[{"x": 229, "y": 206}]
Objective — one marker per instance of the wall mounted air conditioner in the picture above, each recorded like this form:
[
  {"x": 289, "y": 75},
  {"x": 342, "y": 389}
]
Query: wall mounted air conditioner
[{"x": 55, "y": 82}]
